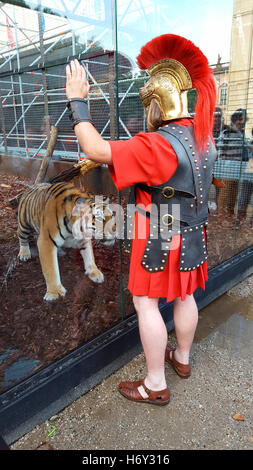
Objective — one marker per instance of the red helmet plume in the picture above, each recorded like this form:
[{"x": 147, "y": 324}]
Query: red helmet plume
[{"x": 171, "y": 46}]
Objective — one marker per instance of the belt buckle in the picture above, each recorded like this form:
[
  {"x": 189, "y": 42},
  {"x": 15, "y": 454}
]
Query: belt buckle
[
  {"x": 170, "y": 223},
  {"x": 165, "y": 189}
]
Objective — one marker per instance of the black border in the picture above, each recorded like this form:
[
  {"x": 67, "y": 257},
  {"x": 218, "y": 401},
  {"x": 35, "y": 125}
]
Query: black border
[{"x": 35, "y": 399}]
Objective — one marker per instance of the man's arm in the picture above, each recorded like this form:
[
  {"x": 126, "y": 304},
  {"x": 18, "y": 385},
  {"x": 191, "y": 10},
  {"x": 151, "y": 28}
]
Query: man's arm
[{"x": 92, "y": 144}]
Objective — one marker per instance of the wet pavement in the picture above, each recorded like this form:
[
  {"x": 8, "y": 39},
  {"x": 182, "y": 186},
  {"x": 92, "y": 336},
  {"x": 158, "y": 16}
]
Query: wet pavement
[{"x": 210, "y": 410}]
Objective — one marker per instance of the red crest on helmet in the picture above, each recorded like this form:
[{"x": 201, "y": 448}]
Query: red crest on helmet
[{"x": 171, "y": 46}]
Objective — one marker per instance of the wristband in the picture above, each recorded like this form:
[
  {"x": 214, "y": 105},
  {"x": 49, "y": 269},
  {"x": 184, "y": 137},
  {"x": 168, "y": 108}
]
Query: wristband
[{"x": 78, "y": 111}]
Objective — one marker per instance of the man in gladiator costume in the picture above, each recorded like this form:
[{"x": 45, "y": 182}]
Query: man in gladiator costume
[{"x": 170, "y": 166}]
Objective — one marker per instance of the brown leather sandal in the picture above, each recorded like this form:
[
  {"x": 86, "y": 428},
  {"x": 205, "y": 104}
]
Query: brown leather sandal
[
  {"x": 183, "y": 370},
  {"x": 131, "y": 392},
  {"x": 135, "y": 384}
]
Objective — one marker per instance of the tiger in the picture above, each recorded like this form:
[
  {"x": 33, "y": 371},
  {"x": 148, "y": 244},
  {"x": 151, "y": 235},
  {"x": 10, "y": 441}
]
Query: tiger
[{"x": 63, "y": 216}]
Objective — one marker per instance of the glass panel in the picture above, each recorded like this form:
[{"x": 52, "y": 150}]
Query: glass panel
[
  {"x": 231, "y": 207},
  {"x": 34, "y": 332},
  {"x": 233, "y": 135}
]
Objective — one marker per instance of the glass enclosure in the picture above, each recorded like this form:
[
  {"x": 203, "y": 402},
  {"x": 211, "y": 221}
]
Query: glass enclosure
[{"x": 38, "y": 39}]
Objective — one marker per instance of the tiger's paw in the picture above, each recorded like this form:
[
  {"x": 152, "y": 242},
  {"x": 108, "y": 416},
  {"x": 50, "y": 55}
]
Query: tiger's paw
[
  {"x": 95, "y": 275},
  {"x": 24, "y": 253},
  {"x": 54, "y": 294}
]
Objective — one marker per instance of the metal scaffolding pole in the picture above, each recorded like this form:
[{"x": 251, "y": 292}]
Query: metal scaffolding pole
[
  {"x": 32, "y": 43},
  {"x": 44, "y": 78},
  {"x": 16, "y": 26},
  {"x": 9, "y": 59},
  {"x": 14, "y": 107},
  {"x": 3, "y": 126},
  {"x": 59, "y": 38},
  {"x": 19, "y": 77},
  {"x": 46, "y": 40}
]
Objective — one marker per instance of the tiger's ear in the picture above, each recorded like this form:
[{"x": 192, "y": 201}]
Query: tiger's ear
[{"x": 106, "y": 199}]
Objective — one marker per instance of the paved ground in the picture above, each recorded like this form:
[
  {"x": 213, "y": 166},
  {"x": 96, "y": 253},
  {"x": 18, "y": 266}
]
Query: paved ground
[{"x": 202, "y": 411}]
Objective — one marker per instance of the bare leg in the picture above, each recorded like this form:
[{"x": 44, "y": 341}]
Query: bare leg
[
  {"x": 154, "y": 338},
  {"x": 185, "y": 321}
]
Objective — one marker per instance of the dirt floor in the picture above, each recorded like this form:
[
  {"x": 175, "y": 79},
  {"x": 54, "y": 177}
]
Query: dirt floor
[{"x": 40, "y": 332}]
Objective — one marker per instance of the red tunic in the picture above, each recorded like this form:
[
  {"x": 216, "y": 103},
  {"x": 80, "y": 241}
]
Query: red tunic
[{"x": 149, "y": 158}]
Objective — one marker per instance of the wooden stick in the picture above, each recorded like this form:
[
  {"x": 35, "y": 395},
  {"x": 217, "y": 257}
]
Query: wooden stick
[
  {"x": 14, "y": 202},
  {"x": 48, "y": 155}
]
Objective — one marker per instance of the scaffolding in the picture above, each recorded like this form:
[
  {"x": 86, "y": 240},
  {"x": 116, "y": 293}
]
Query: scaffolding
[{"x": 32, "y": 80}]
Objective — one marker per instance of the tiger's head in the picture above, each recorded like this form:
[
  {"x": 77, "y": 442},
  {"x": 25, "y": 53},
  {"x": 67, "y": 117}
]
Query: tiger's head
[{"x": 92, "y": 217}]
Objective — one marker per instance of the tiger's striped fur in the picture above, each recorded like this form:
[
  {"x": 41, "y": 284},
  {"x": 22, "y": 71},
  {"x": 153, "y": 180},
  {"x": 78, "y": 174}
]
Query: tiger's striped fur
[{"x": 52, "y": 211}]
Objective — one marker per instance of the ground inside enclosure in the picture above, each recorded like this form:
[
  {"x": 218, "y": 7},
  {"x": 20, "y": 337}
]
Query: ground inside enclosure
[
  {"x": 33, "y": 333},
  {"x": 210, "y": 410}
]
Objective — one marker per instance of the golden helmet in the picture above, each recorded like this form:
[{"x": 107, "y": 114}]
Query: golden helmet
[{"x": 175, "y": 65}]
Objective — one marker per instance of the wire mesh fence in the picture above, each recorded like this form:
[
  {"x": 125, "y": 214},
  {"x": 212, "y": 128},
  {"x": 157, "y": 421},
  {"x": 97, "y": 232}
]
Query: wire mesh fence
[{"x": 32, "y": 100}]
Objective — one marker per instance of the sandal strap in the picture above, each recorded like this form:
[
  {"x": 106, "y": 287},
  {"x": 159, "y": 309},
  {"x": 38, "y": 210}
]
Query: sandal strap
[
  {"x": 155, "y": 394},
  {"x": 147, "y": 390}
]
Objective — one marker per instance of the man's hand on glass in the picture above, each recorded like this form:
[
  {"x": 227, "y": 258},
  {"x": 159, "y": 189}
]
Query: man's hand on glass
[{"x": 77, "y": 85}]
